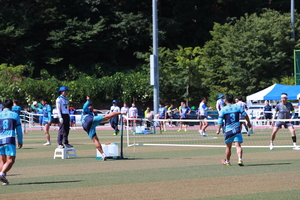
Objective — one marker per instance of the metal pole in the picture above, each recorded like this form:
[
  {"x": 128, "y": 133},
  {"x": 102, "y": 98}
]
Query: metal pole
[
  {"x": 293, "y": 18},
  {"x": 155, "y": 54}
]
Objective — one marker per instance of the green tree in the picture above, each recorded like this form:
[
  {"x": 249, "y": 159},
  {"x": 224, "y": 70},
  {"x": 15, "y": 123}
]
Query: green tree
[{"x": 244, "y": 57}]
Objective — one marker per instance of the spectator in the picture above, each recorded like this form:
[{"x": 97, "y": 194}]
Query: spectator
[
  {"x": 133, "y": 113},
  {"x": 124, "y": 110},
  {"x": 267, "y": 112},
  {"x": 72, "y": 112},
  {"x": 148, "y": 115},
  {"x": 114, "y": 121},
  {"x": 162, "y": 114},
  {"x": 47, "y": 118}
]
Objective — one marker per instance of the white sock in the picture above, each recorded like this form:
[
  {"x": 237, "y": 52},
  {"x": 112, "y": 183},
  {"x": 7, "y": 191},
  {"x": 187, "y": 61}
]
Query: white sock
[
  {"x": 227, "y": 161},
  {"x": 240, "y": 159},
  {"x": 295, "y": 144},
  {"x": 272, "y": 143}
]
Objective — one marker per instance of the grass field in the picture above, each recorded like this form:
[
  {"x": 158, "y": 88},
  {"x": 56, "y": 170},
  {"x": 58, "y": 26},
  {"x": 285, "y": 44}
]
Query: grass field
[{"x": 150, "y": 172}]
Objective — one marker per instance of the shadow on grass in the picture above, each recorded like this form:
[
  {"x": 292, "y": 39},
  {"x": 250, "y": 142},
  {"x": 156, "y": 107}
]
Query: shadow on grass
[
  {"x": 268, "y": 164},
  {"x": 50, "y": 182}
]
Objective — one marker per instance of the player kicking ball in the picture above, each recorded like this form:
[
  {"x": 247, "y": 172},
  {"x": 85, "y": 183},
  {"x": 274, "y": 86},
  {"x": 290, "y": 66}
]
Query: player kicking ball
[
  {"x": 231, "y": 114},
  {"x": 90, "y": 120},
  {"x": 283, "y": 111}
]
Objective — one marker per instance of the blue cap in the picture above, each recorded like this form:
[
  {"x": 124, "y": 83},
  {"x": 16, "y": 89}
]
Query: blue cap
[
  {"x": 220, "y": 96},
  {"x": 63, "y": 88},
  {"x": 114, "y": 101}
]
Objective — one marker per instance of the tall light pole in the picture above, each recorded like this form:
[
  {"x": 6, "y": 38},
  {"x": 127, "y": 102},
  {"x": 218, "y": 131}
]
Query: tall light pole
[
  {"x": 293, "y": 19},
  {"x": 154, "y": 72}
]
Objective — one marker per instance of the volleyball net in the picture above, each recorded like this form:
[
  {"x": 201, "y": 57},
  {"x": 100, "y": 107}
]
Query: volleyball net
[{"x": 143, "y": 132}]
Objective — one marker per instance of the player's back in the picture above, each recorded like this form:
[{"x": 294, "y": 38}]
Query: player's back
[
  {"x": 231, "y": 113},
  {"x": 8, "y": 120}
]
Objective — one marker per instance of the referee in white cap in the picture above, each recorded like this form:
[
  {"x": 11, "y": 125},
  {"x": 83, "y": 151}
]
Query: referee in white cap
[{"x": 62, "y": 106}]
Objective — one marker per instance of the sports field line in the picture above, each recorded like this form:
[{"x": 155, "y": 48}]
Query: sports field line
[
  {"x": 175, "y": 189},
  {"x": 57, "y": 167}
]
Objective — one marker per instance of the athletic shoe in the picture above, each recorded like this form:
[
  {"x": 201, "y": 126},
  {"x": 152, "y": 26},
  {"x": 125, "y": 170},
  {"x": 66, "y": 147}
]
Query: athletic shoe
[
  {"x": 185, "y": 130},
  {"x": 115, "y": 134},
  {"x": 5, "y": 183},
  {"x": 47, "y": 144},
  {"x": 204, "y": 134},
  {"x": 165, "y": 129},
  {"x": 271, "y": 146},
  {"x": 3, "y": 179},
  {"x": 240, "y": 163},
  {"x": 68, "y": 146},
  {"x": 179, "y": 130},
  {"x": 104, "y": 158},
  {"x": 225, "y": 162},
  {"x": 60, "y": 146},
  {"x": 296, "y": 148},
  {"x": 200, "y": 132}
]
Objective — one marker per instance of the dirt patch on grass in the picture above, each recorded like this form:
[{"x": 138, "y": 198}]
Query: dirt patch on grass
[{"x": 179, "y": 189}]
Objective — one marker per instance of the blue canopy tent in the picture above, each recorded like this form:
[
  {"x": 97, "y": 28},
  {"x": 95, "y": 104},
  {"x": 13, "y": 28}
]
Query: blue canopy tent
[{"x": 274, "y": 92}]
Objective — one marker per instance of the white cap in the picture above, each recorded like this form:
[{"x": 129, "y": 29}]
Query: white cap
[
  {"x": 34, "y": 103},
  {"x": 298, "y": 96}
]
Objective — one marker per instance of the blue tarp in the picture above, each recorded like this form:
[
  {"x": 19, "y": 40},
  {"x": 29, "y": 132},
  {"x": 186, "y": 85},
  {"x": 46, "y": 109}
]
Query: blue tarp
[{"x": 274, "y": 92}]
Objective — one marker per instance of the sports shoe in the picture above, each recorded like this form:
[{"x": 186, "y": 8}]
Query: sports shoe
[
  {"x": 47, "y": 144},
  {"x": 60, "y": 146},
  {"x": 271, "y": 146},
  {"x": 104, "y": 157},
  {"x": 200, "y": 132},
  {"x": 204, "y": 134},
  {"x": 68, "y": 146},
  {"x": 240, "y": 163},
  {"x": 164, "y": 129},
  {"x": 3, "y": 179},
  {"x": 179, "y": 130},
  {"x": 185, "y": 130},
  {"x": 296, "y": 148},
  {"x": 225, "y": 162}
]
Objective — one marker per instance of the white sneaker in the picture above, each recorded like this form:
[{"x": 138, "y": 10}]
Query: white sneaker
[
  {"x": 104, "y": 158},
  {"x": 47, "y": 144},
  {"x": 60, "y": 146},
  {"x": 204, "y": 134},
  {"x": 3, "y": 179},
  {"x": 271, "y": 146},
  {"x": 296, "y": 148},
  {"x": 200, "y": 132}
]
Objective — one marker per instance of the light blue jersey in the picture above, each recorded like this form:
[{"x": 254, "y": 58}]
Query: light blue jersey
[
  {"x": 162, "y": 112},
  {"x": 47, "y": 113},
  {"x": 10, "y": 125},
  {"x": 184, "y": 112},
  {"x": 231, "y": 115},
  {"x": 16, "y": 109}
]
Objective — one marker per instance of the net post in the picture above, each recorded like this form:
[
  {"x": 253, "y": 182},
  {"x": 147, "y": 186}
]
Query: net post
[{"x": 121, "y": 141}]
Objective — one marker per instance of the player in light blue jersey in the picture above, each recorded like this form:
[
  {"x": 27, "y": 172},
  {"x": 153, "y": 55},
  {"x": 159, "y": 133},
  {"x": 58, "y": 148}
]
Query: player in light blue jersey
[
  {"x": 47, "y": 119},
  {"x": 184, "y": 112},
  {"x": 231, "y": 114},
  {"x": 162, "y": 114},
  {"x": 10, "y": 126},
  {"x": 38, "y": 108},
  {"x": 16, "y": 108},
  {"x": 90, "y": 120}
]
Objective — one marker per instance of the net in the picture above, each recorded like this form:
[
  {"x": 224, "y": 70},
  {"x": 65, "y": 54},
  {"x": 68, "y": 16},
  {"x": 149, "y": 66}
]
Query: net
[{"x": 150, "y": 133}]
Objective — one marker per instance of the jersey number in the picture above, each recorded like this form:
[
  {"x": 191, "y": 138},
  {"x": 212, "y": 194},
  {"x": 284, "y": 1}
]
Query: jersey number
[
  {"x": 5, "y": 124},
  {"x": 232, "y": 117}
]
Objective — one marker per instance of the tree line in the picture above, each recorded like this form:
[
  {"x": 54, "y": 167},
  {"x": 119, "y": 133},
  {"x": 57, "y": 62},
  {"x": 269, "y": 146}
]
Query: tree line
[{"x": 102, "y": 48}]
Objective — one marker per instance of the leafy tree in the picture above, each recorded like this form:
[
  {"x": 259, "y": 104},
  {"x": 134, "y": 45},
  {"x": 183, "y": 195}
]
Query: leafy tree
[{"x": 242, "y": 58}]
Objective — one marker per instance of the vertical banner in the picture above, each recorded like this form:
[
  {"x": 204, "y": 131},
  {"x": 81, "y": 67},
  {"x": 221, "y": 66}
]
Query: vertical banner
[{"x": 297, "y": 66}]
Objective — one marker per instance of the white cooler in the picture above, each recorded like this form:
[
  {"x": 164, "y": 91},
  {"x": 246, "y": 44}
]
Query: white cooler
[{"x": 110, "y": 149}]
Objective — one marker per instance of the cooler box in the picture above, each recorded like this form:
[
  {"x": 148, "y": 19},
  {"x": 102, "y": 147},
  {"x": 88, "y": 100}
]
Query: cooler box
[
  {"x": 110, "y": 149},
  {"x": 139, "y": 129}
]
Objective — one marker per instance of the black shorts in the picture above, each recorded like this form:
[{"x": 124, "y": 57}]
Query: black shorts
[
  {"x": 55, "y": 121},
  {"x": 202, "y": 117},
  {"x": 268, "y": 117}
]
